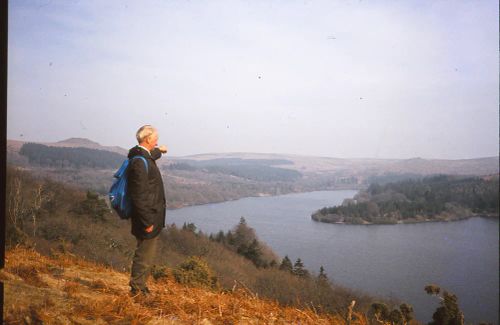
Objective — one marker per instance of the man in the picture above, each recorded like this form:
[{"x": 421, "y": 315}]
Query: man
[{"x": 147, "y": 195}]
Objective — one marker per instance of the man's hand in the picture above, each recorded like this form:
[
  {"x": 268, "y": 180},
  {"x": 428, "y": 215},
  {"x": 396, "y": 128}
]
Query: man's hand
[
  {"x": 163, "y": 149},
  {"x": 149, "y": 229}
]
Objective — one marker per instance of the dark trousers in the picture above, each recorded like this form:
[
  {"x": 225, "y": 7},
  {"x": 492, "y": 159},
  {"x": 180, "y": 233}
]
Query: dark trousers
[{"x": 142, "y": 262}]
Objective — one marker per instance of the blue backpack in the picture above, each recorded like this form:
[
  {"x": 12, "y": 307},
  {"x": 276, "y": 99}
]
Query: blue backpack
[{"x": 118, "y": 197}]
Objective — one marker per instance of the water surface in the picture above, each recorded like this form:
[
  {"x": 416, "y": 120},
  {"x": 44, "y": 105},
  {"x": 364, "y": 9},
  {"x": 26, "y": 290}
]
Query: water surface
[{"x": 388, "y": 260}]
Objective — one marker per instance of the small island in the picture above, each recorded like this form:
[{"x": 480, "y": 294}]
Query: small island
[{"x": 437, "y": 198}]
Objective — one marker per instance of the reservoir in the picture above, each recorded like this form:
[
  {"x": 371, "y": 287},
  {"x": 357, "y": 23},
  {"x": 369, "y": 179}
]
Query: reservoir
[{"x": 394, "y": 261}]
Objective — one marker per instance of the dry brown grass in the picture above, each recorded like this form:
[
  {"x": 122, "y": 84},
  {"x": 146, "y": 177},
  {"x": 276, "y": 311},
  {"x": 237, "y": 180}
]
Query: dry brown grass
[{"x": 85, "y": 293}]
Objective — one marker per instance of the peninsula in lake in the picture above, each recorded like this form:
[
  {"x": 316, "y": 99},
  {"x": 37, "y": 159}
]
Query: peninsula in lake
[{"x": 438, "y": 198}]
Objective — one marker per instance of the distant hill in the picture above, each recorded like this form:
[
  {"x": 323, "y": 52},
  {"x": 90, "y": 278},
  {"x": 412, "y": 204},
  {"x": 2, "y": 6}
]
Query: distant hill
[
  {"x": 218, "y": 177},
  {"x": 263, "y": 170},
  {"x": 367, "y": 166},
  {"x": 477, "y": 166},
  {"x": 86, "y": 143},
  {"x": 70, "y": 157},
  {"x": 358, "y": 167},
  {"x": 13, "y": 146}
]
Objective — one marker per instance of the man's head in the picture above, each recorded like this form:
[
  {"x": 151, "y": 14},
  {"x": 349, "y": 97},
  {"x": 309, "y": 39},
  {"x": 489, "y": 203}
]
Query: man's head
[{"x": 147, "y": 136}]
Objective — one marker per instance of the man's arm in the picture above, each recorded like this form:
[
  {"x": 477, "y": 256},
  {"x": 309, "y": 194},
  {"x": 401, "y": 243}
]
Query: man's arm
[{"x": 157, "y": 151}]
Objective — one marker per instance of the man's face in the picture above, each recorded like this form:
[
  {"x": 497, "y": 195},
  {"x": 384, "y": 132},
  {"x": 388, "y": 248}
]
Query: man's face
[{"x": 152, "y": 140}]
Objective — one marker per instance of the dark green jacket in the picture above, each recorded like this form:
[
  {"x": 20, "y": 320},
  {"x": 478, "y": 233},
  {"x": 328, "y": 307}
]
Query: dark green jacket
[{"x": 147, "y": 194}]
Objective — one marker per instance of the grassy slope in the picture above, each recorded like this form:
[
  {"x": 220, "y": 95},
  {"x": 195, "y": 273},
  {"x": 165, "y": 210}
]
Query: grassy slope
[{"x": 65, "y": 288}]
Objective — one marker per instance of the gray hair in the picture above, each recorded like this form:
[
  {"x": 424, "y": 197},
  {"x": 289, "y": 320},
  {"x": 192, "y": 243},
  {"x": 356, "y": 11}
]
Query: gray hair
[{"x": 144, "y": 132}]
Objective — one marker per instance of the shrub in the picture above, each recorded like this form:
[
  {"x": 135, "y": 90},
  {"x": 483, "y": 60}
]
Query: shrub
[
  {"x": 92, "y": 206},
  {"x": 159, "y": 272},
  {"x": 195, "y": 272},
  {"x": 449, "y": 312}
]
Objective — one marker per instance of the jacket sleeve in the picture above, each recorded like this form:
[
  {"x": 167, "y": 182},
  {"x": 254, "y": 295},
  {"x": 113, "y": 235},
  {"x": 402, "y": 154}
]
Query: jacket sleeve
[
  {"x": 155, "y": 153},
  {"x": 137, "y": 190}
]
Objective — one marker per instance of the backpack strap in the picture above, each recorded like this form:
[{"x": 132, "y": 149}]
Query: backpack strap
[{"x": 143, "y": 159}]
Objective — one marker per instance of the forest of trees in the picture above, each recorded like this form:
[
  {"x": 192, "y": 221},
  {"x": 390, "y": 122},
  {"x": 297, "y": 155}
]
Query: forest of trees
[
  {"x": 243, "y": 240},
  {"x": 258, "y": 172},
  {"x": 64, "y": 157},
  {"x": 261, "y": 170},
  {"x": 433, "y": 198}
]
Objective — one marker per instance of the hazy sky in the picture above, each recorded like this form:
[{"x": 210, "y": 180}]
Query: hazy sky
[{"x": 365, "y": 78}]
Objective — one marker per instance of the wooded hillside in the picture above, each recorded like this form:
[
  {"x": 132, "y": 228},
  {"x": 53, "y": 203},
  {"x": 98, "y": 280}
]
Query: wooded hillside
[
  {"x": 53, "y": 218},
  {"x": 62, "y": 157},
  {"x": 427, "y": 199}
]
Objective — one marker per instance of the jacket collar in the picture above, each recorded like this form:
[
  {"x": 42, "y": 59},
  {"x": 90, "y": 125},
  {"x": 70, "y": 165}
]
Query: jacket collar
[{"x": 144, "y": 149}]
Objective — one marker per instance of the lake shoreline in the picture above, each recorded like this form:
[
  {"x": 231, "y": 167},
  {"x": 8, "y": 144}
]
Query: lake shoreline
[
  {"x": 408, "y": 222},
  {"x": 258, "y": 195}
]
